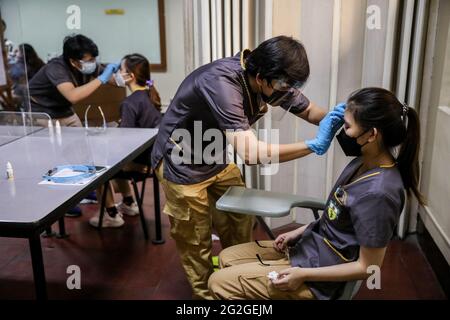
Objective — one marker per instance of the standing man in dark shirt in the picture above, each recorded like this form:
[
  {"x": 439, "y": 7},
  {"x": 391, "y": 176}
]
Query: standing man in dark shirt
[
  {"x": 68, "y": 79},
  {"x": 228, "y": 96}
]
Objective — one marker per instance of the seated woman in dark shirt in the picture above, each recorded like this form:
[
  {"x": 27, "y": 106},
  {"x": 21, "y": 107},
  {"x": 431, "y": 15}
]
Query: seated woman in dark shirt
[
  {"x": 27, "y": 64},
  {"x": 362, "y": 211},
  {"x": 141, "y": 109}
]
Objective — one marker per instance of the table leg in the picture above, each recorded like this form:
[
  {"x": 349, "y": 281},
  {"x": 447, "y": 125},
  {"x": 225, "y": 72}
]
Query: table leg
[
  {"x": 159, "y": 239},
  {"x": 38, "y": 267}
]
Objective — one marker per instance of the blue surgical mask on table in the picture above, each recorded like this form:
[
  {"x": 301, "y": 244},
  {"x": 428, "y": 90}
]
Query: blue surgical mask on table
[
  {"x": 88, "y": 67},
  {"x": 76, "y": 173}
]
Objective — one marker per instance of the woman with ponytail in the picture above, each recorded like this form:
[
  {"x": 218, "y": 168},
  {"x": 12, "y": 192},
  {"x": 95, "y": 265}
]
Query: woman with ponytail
[
  {"x": 362, "y": 212},
  {"x": 141, "y": 109}
]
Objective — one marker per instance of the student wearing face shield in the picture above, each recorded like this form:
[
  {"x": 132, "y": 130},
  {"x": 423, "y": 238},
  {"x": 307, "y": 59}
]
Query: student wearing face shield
[
  {"x": 68, "y": 79},
  {"x": 228, "y": 96}
]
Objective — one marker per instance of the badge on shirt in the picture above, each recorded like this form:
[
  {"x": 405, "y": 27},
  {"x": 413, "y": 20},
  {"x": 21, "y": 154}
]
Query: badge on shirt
[{"x": 336, "y": 202}]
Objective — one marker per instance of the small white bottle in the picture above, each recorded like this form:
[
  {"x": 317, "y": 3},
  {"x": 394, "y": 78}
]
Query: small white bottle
[
  {"x": 9, "y": 171},
  {"x": 58, "y": 127}
]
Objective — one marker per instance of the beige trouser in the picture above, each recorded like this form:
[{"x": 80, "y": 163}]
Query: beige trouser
[
  {"x": 192, "y": 214},
  {"x": 242, "y": 276},
  {"x": 71, "y": 121}
]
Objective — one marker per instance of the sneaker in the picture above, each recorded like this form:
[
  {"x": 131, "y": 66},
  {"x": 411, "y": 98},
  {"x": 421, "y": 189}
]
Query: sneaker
[
  {"x": 91, "y": 198},
  {"x": 131, "y": 210},
  {"x": 108, "y": 221},
  {"x": 74, "y": 212}
]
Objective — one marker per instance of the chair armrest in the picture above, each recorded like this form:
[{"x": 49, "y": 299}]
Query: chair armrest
[{"x": 264, "y": 203}]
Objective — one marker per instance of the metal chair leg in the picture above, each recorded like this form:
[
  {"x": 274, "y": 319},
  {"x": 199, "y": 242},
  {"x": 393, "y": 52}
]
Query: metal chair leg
[
  {"x": 315, "y": 213},
  {"x": 141, "y": 212},
  {"x": 49, "y": 233},
  {"x": 266, "y": 227},
  {"x": 102, "y": 206},
  {"x": 62, "y": 229},
  {"x": 142, "y": 191}
]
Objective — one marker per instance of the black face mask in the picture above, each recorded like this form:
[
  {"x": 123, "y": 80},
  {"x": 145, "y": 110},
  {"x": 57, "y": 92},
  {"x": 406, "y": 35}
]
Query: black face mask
[{"x": 349, "y": 145}]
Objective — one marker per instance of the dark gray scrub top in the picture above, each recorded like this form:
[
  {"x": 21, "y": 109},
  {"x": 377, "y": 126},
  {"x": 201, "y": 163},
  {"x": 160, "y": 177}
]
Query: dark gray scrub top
[
  {"x": 45, "y": 97},
  {"x": 362, "y": 213},
  {"x": 216, "y": 95},
  {"x": 137, "y": 111}
]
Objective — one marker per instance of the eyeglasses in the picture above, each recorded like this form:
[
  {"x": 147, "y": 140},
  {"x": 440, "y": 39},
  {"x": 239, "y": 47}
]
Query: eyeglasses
[
  {"x": 258, "y": 256},
  {"x": 93, "y": 60}
]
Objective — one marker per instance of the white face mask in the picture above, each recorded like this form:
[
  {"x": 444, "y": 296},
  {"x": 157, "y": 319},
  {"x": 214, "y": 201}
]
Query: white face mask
[
  {"x": 120, "y": 81},
  {"x": 88, "y": 67}
]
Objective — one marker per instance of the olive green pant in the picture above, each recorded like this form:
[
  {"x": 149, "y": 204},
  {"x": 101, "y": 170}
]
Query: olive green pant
[{"x": 192, "y": 213}]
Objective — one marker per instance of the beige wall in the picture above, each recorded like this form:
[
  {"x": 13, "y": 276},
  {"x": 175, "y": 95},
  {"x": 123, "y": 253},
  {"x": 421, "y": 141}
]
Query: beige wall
[
  {"x": 445, "y": 88},
  {"x": 286, "y": 18},
  {"x": 344, "y": 56},
  {"x": 167, "y": 82}
]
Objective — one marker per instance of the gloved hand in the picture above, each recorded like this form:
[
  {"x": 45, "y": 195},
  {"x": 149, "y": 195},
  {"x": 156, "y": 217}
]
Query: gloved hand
[
  {"x": 108, "y": 72},
  {"x": 339, "y": 109},
  {"x": 328, "y": 127}
]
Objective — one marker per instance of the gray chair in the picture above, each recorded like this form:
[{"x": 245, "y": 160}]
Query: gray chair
[
  {"x": 261, "y": 203},
  {"x": 268, "y": 204}
]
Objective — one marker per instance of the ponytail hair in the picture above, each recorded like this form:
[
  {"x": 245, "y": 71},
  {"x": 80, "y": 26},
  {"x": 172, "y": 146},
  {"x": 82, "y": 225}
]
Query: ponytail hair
[
  {"x": 154, "y": 97},
  {"x": 398, "y": 124},
  {"x": 408, "y": 157},
  {"x": 138, "y": 65}
]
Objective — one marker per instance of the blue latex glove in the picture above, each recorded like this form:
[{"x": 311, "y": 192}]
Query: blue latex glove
[
  {"x": 339, "y": 110},
  {"x": 328, "y": 127},
  {"x": 108, "y": 72}
]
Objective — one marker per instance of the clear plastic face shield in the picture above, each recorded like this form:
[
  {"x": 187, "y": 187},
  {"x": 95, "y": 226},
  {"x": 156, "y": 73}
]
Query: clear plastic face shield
[
  {"x": 94, "y": 130},
  {"x": 282, "y": 90}
]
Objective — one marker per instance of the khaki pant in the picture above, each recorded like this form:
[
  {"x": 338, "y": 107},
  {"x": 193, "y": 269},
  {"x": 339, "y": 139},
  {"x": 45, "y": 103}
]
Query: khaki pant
[
  {"x": 71, "y": 121},
  {"x": 242, "y": 276},
  {"x": 192, "y": 214}
]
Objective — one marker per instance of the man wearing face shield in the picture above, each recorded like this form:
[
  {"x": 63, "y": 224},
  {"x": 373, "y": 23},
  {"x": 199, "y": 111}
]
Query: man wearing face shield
[
  {"x": 228, "y": 96},
  {"x": 68, "y": 79}
]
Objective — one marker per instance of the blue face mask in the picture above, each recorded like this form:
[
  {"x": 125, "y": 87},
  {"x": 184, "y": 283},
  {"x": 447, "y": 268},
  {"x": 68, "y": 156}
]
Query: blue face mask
[{"x": 88, "y": 67}]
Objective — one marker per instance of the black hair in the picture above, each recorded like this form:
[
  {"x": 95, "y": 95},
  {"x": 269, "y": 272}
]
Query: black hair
[
  {"x": 139, "y": 65},
  {"x": 279, "y": 57},
  {"x": 31, "y": 59},
  {"x": 399, "y": 124},
  {"x": 76, "y": 46}
]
